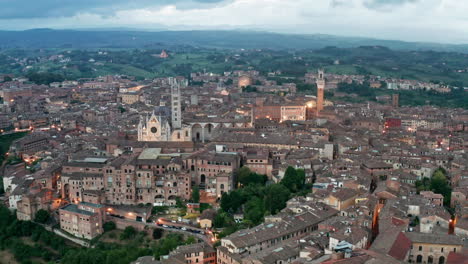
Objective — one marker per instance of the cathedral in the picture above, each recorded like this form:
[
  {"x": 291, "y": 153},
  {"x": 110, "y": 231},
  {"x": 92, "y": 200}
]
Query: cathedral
[{"x": 165, "y": 124}]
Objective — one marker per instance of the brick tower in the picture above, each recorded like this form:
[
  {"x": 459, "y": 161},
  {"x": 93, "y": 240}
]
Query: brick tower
[{"x": 320, "y": 90}]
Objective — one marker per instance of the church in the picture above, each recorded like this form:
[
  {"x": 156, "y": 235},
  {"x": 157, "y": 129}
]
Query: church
[{"x": 165, "y": 124}]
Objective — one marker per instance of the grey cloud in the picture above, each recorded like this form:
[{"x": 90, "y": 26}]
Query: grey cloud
[
  {"x": 20, "y": 9},
  {"x": 386, "y": 4}
]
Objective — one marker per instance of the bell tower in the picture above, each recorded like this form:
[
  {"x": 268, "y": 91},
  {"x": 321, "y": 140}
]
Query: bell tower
[
  {"x": 176, "y": 112},
  {"x": 320, "y": 89}
]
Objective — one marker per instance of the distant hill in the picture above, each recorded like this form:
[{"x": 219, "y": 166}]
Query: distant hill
[{"x": 48, "y": 38}]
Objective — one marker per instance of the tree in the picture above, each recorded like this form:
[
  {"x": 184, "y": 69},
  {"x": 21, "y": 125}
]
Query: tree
[
  {"x": 423, "y": 185},
  {"x": 293, "y": 179},
  {"x": 440, "y": 185},
  {"x": 167, "y": 244},
  {"x": 7, "y": 79},
  {"x": 44, "y": 77},
  {"x": 195, "y": 194},
  {"x": 108, "y": 226},
  {"x": 179, "y": 203},
  {"x": 245, "y": 177},
  {"x": 219, "y": 220},
  {"x": 437, "y": 183},
  {"x": 41, "y": 216},
  {"x": 243, "y": 174},
  {"x": 276, "y": 196},
  {"x": 231, "y": 202},
  {"x": 254, "y": 211},
  {"x": 157, "y": 233},
  {"x": 300, "y": 178},
  {"x": 5, "y": 217},
  {"x": 128, "y": 233},
  {"x": 190, "y": 240}
]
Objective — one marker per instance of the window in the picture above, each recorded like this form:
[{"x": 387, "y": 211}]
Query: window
[{"x": 420, "y": 248}]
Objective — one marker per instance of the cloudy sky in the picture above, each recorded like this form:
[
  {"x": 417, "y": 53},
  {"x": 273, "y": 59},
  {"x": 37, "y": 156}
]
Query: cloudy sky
[{"x": 411, "y": 20}]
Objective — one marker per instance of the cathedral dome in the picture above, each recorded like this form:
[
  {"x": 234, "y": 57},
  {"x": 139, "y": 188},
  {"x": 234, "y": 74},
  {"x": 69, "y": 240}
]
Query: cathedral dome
[{"x": 244, "y": 81}]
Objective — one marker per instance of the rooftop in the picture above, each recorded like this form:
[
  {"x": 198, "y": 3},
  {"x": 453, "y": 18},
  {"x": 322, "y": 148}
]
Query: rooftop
[{"x": 74, "y": 209}]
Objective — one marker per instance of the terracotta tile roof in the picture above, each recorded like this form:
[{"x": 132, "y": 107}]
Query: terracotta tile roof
[
  {"x": 457, "y": 258},
  {"x": 400, "y": 247}
]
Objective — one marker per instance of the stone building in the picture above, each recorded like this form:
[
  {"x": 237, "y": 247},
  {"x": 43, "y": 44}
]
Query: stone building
[
  {"x": 432, "y": 248},
  {"x": 214, "y": 171},
  {"x": 82, "y": 220}
]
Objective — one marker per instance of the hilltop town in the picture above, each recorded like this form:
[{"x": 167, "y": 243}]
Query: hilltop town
[{"x": 243, "y": 167}]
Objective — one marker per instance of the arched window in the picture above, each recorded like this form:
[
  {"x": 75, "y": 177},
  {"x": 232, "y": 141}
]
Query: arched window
[
  {"x": 430, "y": 260},
  {"x": 419, "y": 259},
  {"x": 441, "y": 260},
  {"x": 203, "y": 178},
  {"x": 178, "y": 135},
  {"x": 221, "y": 186}
]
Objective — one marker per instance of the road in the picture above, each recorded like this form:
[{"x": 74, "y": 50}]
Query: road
[
  {"x": 205, "y": 235},
  {"x": 170, "y": 226}
]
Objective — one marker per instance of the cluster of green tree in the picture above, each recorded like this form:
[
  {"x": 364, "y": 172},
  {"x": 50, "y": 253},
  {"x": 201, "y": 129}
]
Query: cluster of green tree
[
  {"x": 136, "y": 245},
  {"x": 7, "y": 79},
  {"x": 47, "y": 246},
  {"x": 106, "y": 253},
  {"x": 129, "y": 233},
  {"x": 307, "y": 88},
  {"x": 363, "y": 89},
  {"x": 249, "y": 89},
  {"x": 14, "y": 234},
  {"x": 169, "y": 243},
  {"x": 44, "y": 77},
  {"x": 257, "y": 199},
  {"x": 108, "y": 226},
  {"x": 159, "y": 209},
  {"x": 438, "y": 184},
  {"x": 455, "y": 98},
  {"x": 245, "y": 177},
  {"x": 195, "y": 194},
  {"x": 42, "y": 216}
]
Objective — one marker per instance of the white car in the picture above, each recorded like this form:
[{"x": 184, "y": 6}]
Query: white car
[{"x": 183, "y": 228}]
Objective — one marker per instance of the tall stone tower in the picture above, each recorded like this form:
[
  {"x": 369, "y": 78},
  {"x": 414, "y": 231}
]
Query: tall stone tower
[
  {"x": 176, "y": 111},
  {"x": 395, "y": 100},
  {"x": 320, "y": 90}
]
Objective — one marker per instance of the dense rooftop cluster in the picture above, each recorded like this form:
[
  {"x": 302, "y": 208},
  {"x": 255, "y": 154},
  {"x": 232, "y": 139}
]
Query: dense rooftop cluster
[{"x": 357, "y": 182}]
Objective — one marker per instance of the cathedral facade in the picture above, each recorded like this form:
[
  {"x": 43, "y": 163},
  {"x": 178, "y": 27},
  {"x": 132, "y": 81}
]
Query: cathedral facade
[
  {"x": 166, "y": 124},
  {"x": 158, "y": 128}
]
